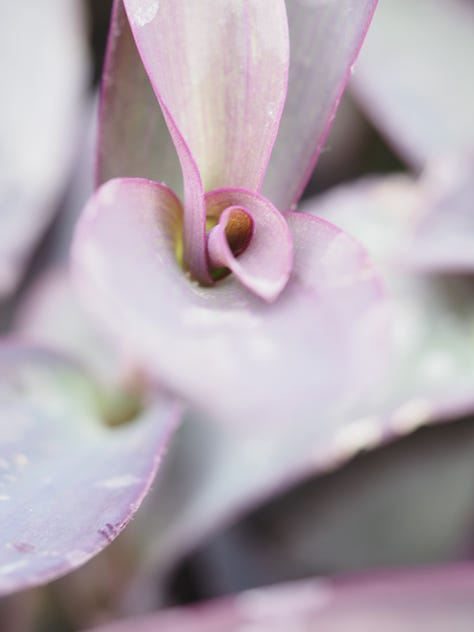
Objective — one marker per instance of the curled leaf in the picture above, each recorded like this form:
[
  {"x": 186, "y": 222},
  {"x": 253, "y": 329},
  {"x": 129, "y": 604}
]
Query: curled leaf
[
  {"x": 252, "y": 239},
  {"x": 304, "y": 351},
  {"x": 219, "y": 71}
]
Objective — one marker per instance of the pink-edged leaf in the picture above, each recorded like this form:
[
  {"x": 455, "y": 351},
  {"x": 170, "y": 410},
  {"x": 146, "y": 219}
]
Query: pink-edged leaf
[
  {"x": 210, "y": 475},
  {"x": 432, "y": 374},
  {"x": 68, "y": 483},
  {"x": 325, "y": 38},
  {"x": 431, "y": 379},
  {"x": 37, "y": 143},
  {"x": 133, "y": 137},
  {"x": 219, "y": 70},
  {"x": 252, "y": 228},
  {"x": 301, "y": 355},
  {"x": 443, "y": 240},
  {"x": 413, "y": 76},
  {"x": 434, "y": 599}
]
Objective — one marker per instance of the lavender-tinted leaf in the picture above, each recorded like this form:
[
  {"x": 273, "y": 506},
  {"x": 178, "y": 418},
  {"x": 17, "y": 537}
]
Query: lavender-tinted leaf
[
  {"x": 430, "y": 599},
  {"x": 325, "y": 38},
  {"x": 309, "y": 342},
  {"x": 133, "y": 136},
  {"x": 431, "y": 379},
  {"x": 68, "y": 484},
  {"x": 231, "y": 61},
  {"x": 265, "y": 264},
  {"x": 432, "y": 375}
]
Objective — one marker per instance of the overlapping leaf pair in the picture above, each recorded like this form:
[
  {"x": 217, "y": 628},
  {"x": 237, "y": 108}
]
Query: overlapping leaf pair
[
  {"x": 220, "y": 73},
  {"x": 292, "y": 335}
]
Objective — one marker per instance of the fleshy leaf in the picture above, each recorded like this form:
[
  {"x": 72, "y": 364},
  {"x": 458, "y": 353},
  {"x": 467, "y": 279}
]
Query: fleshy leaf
[
  {"x": 325, "y": 38},
  {"x": 133, "y": 137},
  {"x": 252, "y": 239},
  {"x": 222, "y": 92},
  {"x": 304, "y": 350},
  {"x": 37, "y": 143},
  {"x": 231, "y": 63},
  {"x": 431, "y": 379},
  {"x": 413, "y": 76},
  {"x": 68, "y": 484},
  {"x": 432, "y": 375},
  {"x": 436, "y": 599}
]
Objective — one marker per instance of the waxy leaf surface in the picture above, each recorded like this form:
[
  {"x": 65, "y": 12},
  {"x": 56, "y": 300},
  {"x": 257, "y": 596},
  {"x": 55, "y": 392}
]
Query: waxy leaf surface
[
  {"x": 265, "y": 264},
  {"x": 325, "y": 38},
  {"x": 133, "y": 137},
  {"x": 265, "y": 364},
  {"x": 430, "y": 599},
  {"x": 324, "y": 44},
  {"x": 68, "y": 483},
  {"x": 431, "y": 379},
  {"x": 219, "y": 71},
  {"x": 432, "y": 375}
]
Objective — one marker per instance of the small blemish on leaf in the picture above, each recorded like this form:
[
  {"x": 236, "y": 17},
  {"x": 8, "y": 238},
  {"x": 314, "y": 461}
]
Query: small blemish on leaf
[
  {"x": 109, "y": 531},
  {"x": 23, "y": 547},
  {"x": 145, "y": 13}
]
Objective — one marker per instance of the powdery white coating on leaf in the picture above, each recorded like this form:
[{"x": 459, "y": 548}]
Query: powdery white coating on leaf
[
  {"x": 361, "y": 434},
  {"x": 143, "y": 11},
  {"x": 46, "y": 530},
  {"x": 117, "y": 482},
  {"x": 77, "y": 558},
  {"x": 413, "y": 414}
]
